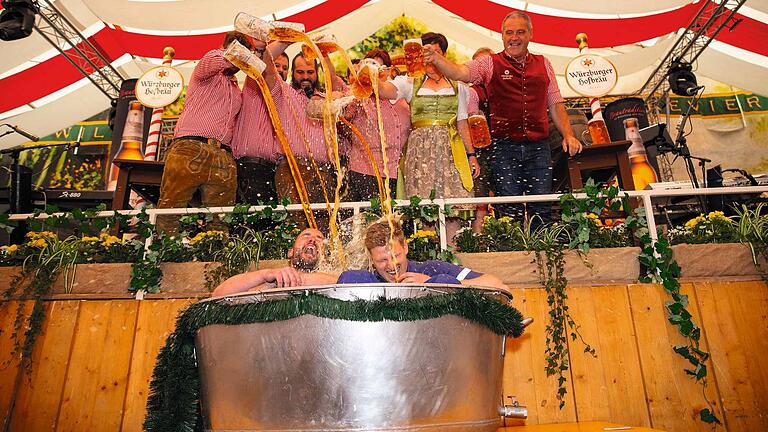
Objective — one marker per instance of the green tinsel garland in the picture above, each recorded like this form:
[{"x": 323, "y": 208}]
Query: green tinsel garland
[{"x": 175, "y": 387}]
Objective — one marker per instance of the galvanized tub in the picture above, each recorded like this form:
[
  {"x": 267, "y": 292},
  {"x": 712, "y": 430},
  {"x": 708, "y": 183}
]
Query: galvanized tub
[{"x": 319, "y": 374}]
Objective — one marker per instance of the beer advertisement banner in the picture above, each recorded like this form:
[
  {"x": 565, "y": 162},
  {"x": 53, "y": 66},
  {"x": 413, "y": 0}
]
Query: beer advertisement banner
[{"x": 62, "y": 167}]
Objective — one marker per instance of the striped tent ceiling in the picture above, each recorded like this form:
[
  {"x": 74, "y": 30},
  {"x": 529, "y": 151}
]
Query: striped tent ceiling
[{"x": 42, "y": 92}]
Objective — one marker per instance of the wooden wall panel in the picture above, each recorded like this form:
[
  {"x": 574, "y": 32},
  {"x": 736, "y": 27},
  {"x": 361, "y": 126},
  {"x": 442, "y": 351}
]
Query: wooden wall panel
[
  {"x": 674, "y": 399},
  {"x": 94, "y": 390},
  {"x": 608, "y": 387},
  {"x": 524, "y": 365},
  {"x": 157, "y": 320},
  {"x": 39, "y": 397},
  {"x": 735, "y": 317},
  {"x": 108, "y": 349},
  {"x": 9, "y": 364}
]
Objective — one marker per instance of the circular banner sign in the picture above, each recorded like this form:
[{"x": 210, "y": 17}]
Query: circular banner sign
[
  {"x": 591, "y": 75},
  {"x": 159, "y": 86}
]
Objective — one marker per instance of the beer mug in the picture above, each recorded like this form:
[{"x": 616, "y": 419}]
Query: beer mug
[
  {"x": 597, "y": 132},
  {"x": 414, "y": 57},
  {"x": 287, "y": 31},
  {"x": 245, "y": 59},
  {"x": 478, "y": 130},
  {"x": 326, "y": 43},
  {"x": 363, "y": 86},
  {"x": 252, "y": 26}
]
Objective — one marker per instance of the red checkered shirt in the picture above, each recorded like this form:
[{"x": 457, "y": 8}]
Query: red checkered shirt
[
  {"x": 481, "y": 69},
  {"x": 213, "y": 100},
  {"x": 254, "y": 134},
  {"x": 397, "y": 125}
]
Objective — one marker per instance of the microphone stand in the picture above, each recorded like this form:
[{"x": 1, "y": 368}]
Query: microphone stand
[{"x": 681, "y": 149}]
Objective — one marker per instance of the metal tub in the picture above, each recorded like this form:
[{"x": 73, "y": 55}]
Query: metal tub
[{"x": 319, "y": 374}]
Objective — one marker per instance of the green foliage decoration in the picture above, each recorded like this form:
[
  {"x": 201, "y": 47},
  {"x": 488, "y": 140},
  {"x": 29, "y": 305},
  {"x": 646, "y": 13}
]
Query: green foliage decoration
[
  {"x": 663, "y": 269},
  {"x": 173, "y": 403}
]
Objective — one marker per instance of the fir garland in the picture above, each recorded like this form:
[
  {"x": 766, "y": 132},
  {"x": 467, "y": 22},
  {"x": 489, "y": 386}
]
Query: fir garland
[{"x": 175, "y": 387}]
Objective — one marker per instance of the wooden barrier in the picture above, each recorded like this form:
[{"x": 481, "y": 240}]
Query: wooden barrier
[{"x": 94, "y": 359}]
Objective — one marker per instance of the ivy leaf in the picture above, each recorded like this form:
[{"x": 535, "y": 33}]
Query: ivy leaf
[{"x": 708, "y": 416}]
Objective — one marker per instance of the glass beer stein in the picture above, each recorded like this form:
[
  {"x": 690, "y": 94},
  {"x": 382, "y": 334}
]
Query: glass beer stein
[
  {"x": 362, "y": 87},
  {"x": 287, "y": 31},
  {"x": 598, "y": 131},
  {"x": 414, "y": 57},
  {"x": 246, "y": 60},
  {"x": 325, "y": 42},
  {"x": 252, "y": 26},
  {"x": 478, "y": 130}
]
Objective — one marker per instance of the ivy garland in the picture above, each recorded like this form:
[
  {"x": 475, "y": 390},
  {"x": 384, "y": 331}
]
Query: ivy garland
[
  {"x": 173, "y": 402},
  {"x": 663, "y": 269}
]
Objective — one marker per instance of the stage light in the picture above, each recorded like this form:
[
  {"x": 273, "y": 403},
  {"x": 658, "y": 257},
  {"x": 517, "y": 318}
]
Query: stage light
[
  {"x": 682, "y": 80},
  {"x": 17, "y": 19}
]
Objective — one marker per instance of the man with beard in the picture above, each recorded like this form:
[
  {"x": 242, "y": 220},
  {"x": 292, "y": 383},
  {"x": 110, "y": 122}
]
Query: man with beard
[
  {"x": 303, "y": 258},
  {"x": 521, "y": 86},
  {"x": 305, "y": 135},
  {"x": 389, "y": 257}
]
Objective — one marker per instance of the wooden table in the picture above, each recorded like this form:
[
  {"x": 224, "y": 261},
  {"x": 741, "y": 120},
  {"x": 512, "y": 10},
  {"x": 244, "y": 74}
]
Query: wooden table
[
  {"x": 610, "y": 156},
  {"x": 142, "y": 176}
]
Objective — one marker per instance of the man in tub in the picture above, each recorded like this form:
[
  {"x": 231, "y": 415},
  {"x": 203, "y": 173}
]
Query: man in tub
[
  {"x": 303, "y": 258},
  {"x": 390, "y": 263}
]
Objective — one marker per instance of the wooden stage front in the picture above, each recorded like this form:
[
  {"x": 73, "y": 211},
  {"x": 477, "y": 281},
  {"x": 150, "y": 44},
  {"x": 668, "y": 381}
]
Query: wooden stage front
[{"x": 93, "y": 362}]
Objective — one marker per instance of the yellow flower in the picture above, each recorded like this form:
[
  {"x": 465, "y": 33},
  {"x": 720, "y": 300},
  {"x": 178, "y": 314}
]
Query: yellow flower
[
  {"x": 592, "y": 216},
  {"x": 38, "y": 243},
  {"x": 88, "y": 239},
  {"x": 203, "y": 235},
  {"x": 33, "y": 235},
  {"x": 109, "y": 240},
  {"x": 505, "y": 220},
  {"x": 691, "y": 224},
  {"x": 717, "y": 215},
  {"x": 11, "y": 249}
]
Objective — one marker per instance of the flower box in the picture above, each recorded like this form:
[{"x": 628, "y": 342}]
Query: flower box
[
  {"x": 601, "y": 266},
  {"x": 716, "y": 260},
  {"x": 106, "y": 278}
]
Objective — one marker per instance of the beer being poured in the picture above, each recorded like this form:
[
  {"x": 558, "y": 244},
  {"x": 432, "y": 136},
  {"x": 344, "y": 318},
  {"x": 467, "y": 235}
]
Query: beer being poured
[{"x": 327, "y": 44}]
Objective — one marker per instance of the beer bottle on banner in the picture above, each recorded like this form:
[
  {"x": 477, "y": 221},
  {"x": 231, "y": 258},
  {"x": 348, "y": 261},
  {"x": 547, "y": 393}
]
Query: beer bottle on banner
[
  {"x": 642, "y": 172},
  {"x": 131, "y": 142}
]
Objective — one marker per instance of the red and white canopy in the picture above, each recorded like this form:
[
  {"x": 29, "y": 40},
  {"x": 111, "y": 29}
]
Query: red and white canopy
[{"x": 41, "y": 92}]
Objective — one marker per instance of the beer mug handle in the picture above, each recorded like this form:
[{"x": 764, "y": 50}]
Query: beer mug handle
[{"x": 586, "y": 138}]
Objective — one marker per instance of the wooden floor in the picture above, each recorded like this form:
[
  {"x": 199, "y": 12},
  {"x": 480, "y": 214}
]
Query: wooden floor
[{"x": 577, "y": 427}]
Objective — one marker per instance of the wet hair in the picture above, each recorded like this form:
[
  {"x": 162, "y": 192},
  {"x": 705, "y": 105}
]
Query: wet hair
[
  {"x": 435, "y": 38},
  {"x": 378, "y": 234},
  {"x": 380, "y": 53},
  {"x": 517, "y": 14},
  {"x": 481, "y": 51},
  {"x": 283, "y": 54},
  {"x": 240, "y": 37}
]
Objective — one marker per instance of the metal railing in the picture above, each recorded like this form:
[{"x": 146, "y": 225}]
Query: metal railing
[{"x": 645, "y": 197}]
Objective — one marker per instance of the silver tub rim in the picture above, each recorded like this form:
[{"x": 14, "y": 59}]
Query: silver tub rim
[{"x": 350, "y": 292}]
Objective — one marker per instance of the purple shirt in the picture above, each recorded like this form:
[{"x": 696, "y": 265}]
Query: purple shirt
[{"x": 439, "y": 272}]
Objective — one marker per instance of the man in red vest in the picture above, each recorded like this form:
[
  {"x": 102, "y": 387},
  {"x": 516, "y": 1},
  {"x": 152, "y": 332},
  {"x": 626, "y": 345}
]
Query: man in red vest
[{"x": 521, "y": 87}]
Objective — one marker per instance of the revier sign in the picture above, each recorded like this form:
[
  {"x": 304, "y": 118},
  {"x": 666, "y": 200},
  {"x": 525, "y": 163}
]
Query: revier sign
[
  {"x": 159, "y": 86},
  {"x": 591, "y": 75}
]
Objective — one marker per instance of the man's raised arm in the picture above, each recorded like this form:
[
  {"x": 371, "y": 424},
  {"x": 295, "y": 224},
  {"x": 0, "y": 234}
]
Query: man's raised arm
[{"x": 454, "y": 71}]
